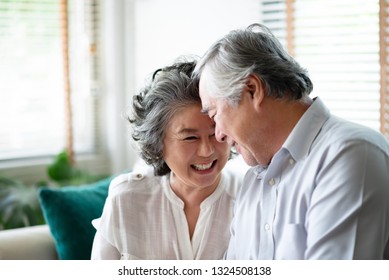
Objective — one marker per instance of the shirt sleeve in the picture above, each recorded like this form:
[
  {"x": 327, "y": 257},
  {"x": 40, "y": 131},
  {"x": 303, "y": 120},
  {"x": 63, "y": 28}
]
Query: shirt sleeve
[
  {"x": 103, "y": 250},
  {"x": 105, "y": 245},
  {"x": 347, "y": 215}
]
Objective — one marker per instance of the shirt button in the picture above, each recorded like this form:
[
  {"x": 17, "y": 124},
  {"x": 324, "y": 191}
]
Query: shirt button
[
  {"x": 291, "y": 161},
  {"x": 267, "y": 227},
  {"x": 272, "y": 182}
]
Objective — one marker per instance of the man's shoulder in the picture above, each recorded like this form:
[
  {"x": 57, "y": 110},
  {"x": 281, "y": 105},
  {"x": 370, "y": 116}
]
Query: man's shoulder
[{"x": 337, "y": 131}]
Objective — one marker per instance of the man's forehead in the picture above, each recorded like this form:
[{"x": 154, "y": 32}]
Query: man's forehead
[
  {"x": 206, "y": 87},
  {"x": 207, "y": 103},
  {"x": 205, "y": 82}
]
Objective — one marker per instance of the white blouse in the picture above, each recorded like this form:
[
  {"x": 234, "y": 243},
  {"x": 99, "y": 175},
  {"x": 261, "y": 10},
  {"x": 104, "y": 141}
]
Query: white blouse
[{"x": 144, "y": 219}]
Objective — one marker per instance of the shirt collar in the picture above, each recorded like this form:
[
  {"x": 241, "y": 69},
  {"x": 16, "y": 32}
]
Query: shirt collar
[
  {"x": 207, "y": 202},
  {"x": 300, "y": 140}
]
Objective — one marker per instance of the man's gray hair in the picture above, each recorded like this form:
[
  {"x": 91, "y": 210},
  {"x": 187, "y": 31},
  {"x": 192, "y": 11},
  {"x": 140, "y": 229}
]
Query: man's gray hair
[{"x": 254, "y": 50}]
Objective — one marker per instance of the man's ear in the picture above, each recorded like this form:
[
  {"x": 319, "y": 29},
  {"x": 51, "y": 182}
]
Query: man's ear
[{"x": 255, "y": 88}]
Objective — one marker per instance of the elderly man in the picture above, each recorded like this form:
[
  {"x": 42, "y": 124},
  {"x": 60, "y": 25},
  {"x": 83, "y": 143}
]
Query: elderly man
[{"x": 319, "y": 185}]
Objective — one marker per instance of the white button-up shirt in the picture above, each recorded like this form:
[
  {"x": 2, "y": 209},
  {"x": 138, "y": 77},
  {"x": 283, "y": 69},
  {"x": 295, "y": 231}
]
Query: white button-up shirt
[
  {"x": 144, "y": 219},
  {"x": 325, "y": 195}
]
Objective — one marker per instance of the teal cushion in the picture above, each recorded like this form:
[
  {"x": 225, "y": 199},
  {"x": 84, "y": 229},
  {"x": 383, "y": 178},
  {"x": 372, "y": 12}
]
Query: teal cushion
[{"x": 69, "y": 211}]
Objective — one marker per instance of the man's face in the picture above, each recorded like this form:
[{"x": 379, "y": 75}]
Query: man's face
[{"x": 233, "y": 123}]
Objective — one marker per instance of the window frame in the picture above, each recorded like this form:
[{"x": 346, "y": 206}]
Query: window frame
[{"x": 384, "y": 65}]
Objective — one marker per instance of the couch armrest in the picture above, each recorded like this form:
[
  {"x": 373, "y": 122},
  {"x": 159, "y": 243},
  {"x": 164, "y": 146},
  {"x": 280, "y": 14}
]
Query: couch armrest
[{"x": 29, "y": 243}]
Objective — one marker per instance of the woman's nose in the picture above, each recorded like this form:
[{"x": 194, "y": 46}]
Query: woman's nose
[{"x": 206, "y": 147}]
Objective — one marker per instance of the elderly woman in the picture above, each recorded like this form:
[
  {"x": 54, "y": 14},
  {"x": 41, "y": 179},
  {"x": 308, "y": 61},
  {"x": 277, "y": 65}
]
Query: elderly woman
[{"x": 181, "y": 209}]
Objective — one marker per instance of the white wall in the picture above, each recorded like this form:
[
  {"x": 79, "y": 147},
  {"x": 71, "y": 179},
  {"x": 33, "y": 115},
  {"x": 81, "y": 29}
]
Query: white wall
[{"x": 165, "y": 29}]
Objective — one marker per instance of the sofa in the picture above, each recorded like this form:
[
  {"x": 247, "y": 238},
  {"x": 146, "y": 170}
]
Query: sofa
[
  {"x": 29, "y": 243},
  {"x": 68, "y": 233}
]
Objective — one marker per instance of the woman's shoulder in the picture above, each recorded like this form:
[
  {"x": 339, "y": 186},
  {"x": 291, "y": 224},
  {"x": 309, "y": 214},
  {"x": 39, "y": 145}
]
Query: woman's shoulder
[
  {"x": 236, "y": 169},
  {"x": 233, "y": 175},
  {"x": 136, "y": 181}
]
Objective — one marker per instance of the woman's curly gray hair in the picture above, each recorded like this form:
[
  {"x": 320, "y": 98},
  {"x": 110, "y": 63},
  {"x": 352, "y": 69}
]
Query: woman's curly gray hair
[{"x": 170, "y": 90}]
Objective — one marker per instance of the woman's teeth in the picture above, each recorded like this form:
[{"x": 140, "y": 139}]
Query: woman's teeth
[{"x": 202, "y": 166}]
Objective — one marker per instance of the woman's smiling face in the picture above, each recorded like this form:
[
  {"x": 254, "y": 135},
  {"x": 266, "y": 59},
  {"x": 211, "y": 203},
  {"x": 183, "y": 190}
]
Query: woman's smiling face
[{"x": 191, "y": 150}]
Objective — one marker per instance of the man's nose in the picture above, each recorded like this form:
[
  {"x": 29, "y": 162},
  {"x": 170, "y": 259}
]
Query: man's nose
[{"x": 220, "y": 136}]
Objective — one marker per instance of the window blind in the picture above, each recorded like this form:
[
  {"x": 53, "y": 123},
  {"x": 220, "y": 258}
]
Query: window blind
[
  {"x": 338, "y": 42},
  {"x": 274, "y": 17},
  {"x": 32, "y": 118}
]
